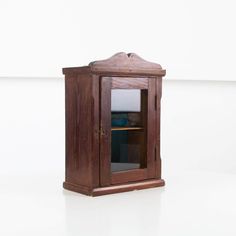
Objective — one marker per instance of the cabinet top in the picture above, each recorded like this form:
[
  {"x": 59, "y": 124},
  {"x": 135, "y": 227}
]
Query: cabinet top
[{"x": 118, "y": 64}]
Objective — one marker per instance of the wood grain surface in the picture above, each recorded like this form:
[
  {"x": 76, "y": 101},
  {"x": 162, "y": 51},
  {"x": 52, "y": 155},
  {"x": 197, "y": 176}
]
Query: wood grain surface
[{"x": 88, "y": 125}]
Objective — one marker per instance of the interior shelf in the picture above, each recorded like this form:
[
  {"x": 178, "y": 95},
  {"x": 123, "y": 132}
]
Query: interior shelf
[{"x": 126, "y": 128}]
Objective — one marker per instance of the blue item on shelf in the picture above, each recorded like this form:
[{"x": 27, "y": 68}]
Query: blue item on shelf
[{"x": 119, "y": 122}]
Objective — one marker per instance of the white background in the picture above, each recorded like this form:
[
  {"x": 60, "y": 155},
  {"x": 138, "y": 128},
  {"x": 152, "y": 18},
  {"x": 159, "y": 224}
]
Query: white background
[{"x": 193, "y": 40}]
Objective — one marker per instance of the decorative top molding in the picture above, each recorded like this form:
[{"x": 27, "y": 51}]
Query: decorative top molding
[
  {"x": 120, "y": 64},
  {"x": 126, "y": 63}
]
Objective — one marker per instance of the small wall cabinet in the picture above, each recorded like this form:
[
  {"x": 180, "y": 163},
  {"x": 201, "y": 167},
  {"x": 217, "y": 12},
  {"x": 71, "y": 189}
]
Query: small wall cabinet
[{"x": 113, "y": 125}]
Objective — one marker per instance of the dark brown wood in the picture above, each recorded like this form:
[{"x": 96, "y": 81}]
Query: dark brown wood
[
  {"x": 151, "y": 132},
  {"x": 105, "y": 154},
  {"x": 77, "y": 188},
  {"x": 144, "y": 115},
  {"x": 79, "y": 132},
  {"x": 128, "y": 176},
  {"x": 105, "y": 132},
  {"x": 118, "y": 188},
  {"x": 152, "y": 183},
  {"x": 76, "y": 70},
  {"x": 126, "y": 128},
  {"x": 95, "y": 110},
  {"x": 127, "y": 83},
  {"x": 127, "y": 63},
  {"x": 158, "y": 117},
  {"x": 88, "y": 125}
]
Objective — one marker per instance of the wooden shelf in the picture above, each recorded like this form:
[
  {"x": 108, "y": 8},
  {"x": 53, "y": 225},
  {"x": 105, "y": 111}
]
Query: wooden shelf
[{"x": 126, "y": 128}]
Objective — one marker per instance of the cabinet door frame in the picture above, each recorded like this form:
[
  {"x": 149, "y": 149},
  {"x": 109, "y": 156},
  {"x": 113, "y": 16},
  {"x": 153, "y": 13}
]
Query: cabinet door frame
[{"x": 107, "y": 177}]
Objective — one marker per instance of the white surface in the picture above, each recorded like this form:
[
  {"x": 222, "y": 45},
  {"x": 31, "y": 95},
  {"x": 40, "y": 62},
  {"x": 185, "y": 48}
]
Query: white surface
[
  {"x": 191, "y": 39},
  {"x": 198, "y": 151},
  {"x": 198, "y": 125},
  {"x": 192, "y": 203}
]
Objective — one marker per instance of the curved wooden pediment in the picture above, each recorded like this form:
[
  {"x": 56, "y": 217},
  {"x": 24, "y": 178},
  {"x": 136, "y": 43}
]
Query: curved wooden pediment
[{"x": 129, "y": 63}]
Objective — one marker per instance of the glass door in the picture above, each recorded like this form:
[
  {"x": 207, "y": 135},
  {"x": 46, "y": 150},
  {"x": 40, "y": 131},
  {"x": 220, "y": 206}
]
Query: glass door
[
  {"x": 128, "y": 129},
  {"x": 127, "y": 147}
]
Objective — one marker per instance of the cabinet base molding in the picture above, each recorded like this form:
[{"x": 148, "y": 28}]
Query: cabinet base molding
[
  {"x": 152, "y": 183},
  {"x": 77, "y": 188}
]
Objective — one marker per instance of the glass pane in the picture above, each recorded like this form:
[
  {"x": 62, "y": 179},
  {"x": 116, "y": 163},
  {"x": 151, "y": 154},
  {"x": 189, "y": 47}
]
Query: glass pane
[
  {"x": 119, "y": 98},
  {"x": 128, "y": 134}
]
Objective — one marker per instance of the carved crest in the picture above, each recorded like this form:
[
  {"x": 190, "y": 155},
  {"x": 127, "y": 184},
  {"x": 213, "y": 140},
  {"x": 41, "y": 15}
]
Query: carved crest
[{"x": 127, "y": 63}]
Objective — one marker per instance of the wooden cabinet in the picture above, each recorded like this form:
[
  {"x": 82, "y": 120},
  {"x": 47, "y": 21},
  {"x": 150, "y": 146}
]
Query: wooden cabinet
[{"x": 113, "y": 125}]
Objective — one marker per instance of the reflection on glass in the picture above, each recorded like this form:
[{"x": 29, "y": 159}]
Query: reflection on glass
[{"x": 128, "y": 121}]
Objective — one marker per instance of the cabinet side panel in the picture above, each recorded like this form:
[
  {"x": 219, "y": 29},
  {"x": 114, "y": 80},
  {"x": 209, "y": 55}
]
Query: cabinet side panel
[{"x": 79, "y": 129}]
